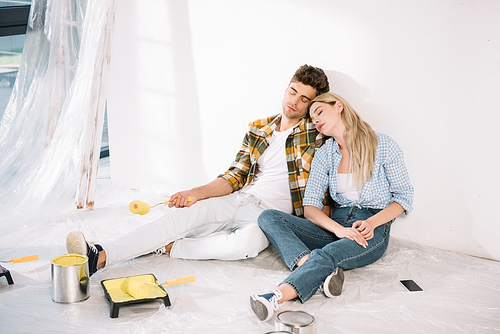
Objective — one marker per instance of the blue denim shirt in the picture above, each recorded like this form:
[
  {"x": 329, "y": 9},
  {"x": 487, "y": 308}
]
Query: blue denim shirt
[{"x": 389, "y": 183}]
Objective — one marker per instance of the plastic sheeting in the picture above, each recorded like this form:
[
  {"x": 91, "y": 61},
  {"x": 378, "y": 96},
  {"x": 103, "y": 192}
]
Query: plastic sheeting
[
  {"x": 42, "y": 129},
  {"x": 461, "y": 293}
]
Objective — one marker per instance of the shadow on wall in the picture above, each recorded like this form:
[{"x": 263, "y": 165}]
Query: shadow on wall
[
  {"x": 380, "y": 118},
  {"x": 188, "y": 107},
  {"x": 155, "y": 111}
]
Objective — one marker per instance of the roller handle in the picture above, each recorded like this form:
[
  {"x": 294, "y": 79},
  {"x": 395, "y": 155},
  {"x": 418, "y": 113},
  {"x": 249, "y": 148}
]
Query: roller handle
[
  {"x": 24, "y": 259},
  {"x": 178, "y": 281}
]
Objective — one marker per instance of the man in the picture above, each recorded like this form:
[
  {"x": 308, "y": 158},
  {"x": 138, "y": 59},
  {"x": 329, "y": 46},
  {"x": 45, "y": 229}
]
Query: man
[{"x": 220, "y": 218}]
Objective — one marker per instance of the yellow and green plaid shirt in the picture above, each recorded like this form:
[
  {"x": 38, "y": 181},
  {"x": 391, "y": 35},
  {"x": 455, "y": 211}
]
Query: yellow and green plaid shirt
[{"x": 300, "y": 147}]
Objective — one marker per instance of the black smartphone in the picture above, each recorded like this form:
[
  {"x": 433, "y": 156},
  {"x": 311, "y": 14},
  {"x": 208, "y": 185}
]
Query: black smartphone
[{"x": 410, "y": 285}]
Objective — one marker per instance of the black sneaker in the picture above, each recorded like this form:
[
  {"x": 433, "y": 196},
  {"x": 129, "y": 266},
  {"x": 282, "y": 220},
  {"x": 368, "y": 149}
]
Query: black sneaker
[
  {"x": 332, "y": 286},
  {"x": 264, "y": 305},
  {"x": 76, "y": 244}
]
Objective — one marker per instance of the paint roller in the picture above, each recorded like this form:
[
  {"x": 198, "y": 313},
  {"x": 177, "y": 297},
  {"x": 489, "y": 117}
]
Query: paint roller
[
  {"x": 136, "y": 288},
  {"x": 141, "y": 208},
  {"x": 21, "y": 259}
]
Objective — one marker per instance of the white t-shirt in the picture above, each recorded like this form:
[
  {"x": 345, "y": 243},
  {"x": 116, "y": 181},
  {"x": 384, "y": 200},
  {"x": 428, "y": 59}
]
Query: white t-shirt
[
  {"x": 346, "y": 187},
  {"x": 271, "y": 183}
]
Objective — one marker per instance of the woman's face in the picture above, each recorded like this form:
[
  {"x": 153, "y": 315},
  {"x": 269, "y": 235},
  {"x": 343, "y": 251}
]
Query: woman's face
[{"x": 327, "y": 117}]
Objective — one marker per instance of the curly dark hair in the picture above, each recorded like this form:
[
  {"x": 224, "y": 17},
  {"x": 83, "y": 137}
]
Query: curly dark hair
[{"x": 312, "y": 76}]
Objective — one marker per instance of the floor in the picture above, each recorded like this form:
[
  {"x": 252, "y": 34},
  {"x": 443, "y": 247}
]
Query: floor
[{"x": 461, "y": 293}]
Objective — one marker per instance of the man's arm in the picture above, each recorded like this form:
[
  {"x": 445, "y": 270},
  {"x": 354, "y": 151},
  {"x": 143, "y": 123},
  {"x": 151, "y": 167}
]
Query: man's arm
[{"x": 218, "y": 187}]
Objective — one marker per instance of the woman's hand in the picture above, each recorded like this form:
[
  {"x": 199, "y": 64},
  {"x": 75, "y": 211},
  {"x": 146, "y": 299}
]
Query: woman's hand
[
  {"x": 365, "y": 228},
  {"x": 351, "y": 233}
]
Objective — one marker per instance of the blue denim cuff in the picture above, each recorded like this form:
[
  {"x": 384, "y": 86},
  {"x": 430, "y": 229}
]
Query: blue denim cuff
[
  {"x": 297, "y": 259},
  {"x": 299, "y": 295}
]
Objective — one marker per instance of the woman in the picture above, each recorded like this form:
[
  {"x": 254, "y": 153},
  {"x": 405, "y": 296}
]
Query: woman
[{"x": 367, "y": 178}]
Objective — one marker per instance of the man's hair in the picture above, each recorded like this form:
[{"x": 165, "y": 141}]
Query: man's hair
[{"x": 312, "y": 76}]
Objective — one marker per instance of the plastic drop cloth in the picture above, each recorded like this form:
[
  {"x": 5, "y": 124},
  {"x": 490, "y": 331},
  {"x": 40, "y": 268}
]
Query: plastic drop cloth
[{"x": 461, "y": 293}]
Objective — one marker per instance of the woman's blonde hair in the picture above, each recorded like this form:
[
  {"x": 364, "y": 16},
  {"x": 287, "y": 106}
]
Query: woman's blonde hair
[{"x": 360, "y": 139}]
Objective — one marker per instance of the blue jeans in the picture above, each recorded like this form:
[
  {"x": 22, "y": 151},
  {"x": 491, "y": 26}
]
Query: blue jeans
[{"x": 296, "y": 237}]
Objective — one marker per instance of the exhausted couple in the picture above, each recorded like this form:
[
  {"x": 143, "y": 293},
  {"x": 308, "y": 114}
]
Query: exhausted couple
[{"x": 279, "y": 189}]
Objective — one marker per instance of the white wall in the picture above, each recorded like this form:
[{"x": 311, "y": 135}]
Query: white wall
[{"x": 187, "y": 77}]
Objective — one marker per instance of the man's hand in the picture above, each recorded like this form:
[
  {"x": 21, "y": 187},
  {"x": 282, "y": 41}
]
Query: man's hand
[
  {"x": 183, "y": 199},
  {"x": 218, "y": 187}
]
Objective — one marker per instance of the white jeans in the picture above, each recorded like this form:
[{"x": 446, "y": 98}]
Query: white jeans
[{"x": 223, "y": 228}]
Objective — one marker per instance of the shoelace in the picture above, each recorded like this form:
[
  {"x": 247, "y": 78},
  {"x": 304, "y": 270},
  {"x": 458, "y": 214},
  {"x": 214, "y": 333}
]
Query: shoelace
[
  {"x": 160, "y": 250},
  {"x": 93, "y": 247},
  {"x": 274, "y": 299}
]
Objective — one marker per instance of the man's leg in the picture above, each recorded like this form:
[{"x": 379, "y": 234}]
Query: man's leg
[
  {"x": 245, "y": 242},
  {"x": 206, "y": 217},
  {"x": 242, "y": 239}
]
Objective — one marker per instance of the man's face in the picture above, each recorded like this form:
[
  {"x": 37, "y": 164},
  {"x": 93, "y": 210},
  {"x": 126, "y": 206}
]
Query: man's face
[{"x": 297, "y": 99}]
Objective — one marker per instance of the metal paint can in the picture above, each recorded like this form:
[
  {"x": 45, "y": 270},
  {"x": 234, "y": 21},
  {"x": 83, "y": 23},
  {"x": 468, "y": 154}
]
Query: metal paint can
[
  {"x": 299, "y": 322},
  {"x": 70, "y": 278}
]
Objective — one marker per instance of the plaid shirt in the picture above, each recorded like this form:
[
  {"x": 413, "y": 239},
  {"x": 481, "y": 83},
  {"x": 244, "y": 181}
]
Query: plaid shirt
[{"x": 300, "y": 147}]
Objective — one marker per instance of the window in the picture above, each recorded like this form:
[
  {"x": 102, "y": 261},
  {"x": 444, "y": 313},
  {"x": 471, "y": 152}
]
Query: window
[{"x": 13, "y": 24}]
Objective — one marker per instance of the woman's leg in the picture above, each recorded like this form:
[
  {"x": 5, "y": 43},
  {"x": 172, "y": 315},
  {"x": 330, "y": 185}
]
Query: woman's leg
[
  {"x": 292, "y": 236},
  {"x": 344, "y": 253}
]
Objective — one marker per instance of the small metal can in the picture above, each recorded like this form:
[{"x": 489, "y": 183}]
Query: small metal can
[
  {"x": 70, "y": 278},
  {"x": 299, "y": 322}
]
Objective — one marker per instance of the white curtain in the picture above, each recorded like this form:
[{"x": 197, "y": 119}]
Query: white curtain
[{"x": 46, "y": 125}]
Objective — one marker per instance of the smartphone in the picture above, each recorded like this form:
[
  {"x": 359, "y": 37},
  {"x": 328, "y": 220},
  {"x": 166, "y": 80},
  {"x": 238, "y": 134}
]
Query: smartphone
[{"x": 410, "y": 285}]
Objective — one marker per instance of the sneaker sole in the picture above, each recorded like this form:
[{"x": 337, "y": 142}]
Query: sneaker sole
[
  {"x": 260, "y": 309},
  {"x": 334, "y": 284},
  {"x": 76, "y": 243}
]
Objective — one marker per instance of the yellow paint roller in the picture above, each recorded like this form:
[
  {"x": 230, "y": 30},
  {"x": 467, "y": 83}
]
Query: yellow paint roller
[
  {"x": 138, "y": 207},
  {"x": 22, "y": 259},
  {"x": 135, "y": 287},
  {"x": 141, "y": 208}
]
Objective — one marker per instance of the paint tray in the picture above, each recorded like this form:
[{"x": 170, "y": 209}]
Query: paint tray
[
  {"x": 118, "y": 298},
  {"x": 6, "y": 273}
]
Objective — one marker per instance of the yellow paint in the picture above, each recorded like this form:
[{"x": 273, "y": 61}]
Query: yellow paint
[
  {"x": 138, "y": 207},
  {"x": 114, "y": 287},
  {"x": 68, "y": 260},
  {"x": 135, "y": 287}
]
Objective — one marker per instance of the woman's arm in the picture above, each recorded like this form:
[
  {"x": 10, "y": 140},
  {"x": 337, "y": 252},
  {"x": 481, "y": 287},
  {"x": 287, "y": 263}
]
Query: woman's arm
[
  {"x": 366, "y": 227},
  {"x": 319, "y": 218}
]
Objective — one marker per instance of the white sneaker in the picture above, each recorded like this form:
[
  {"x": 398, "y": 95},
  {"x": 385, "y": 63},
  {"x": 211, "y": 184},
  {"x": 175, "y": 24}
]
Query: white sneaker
[
  {"x": 332, "y": 286},
  {"x": 264, "y": 305},
  {"x": 76, "y": 244}
]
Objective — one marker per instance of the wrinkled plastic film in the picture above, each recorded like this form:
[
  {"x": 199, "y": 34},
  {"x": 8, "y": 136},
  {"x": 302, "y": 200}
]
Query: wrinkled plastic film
[
  {"x": 460, "y": 294},
  {"x": 42, "y": 131}
]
